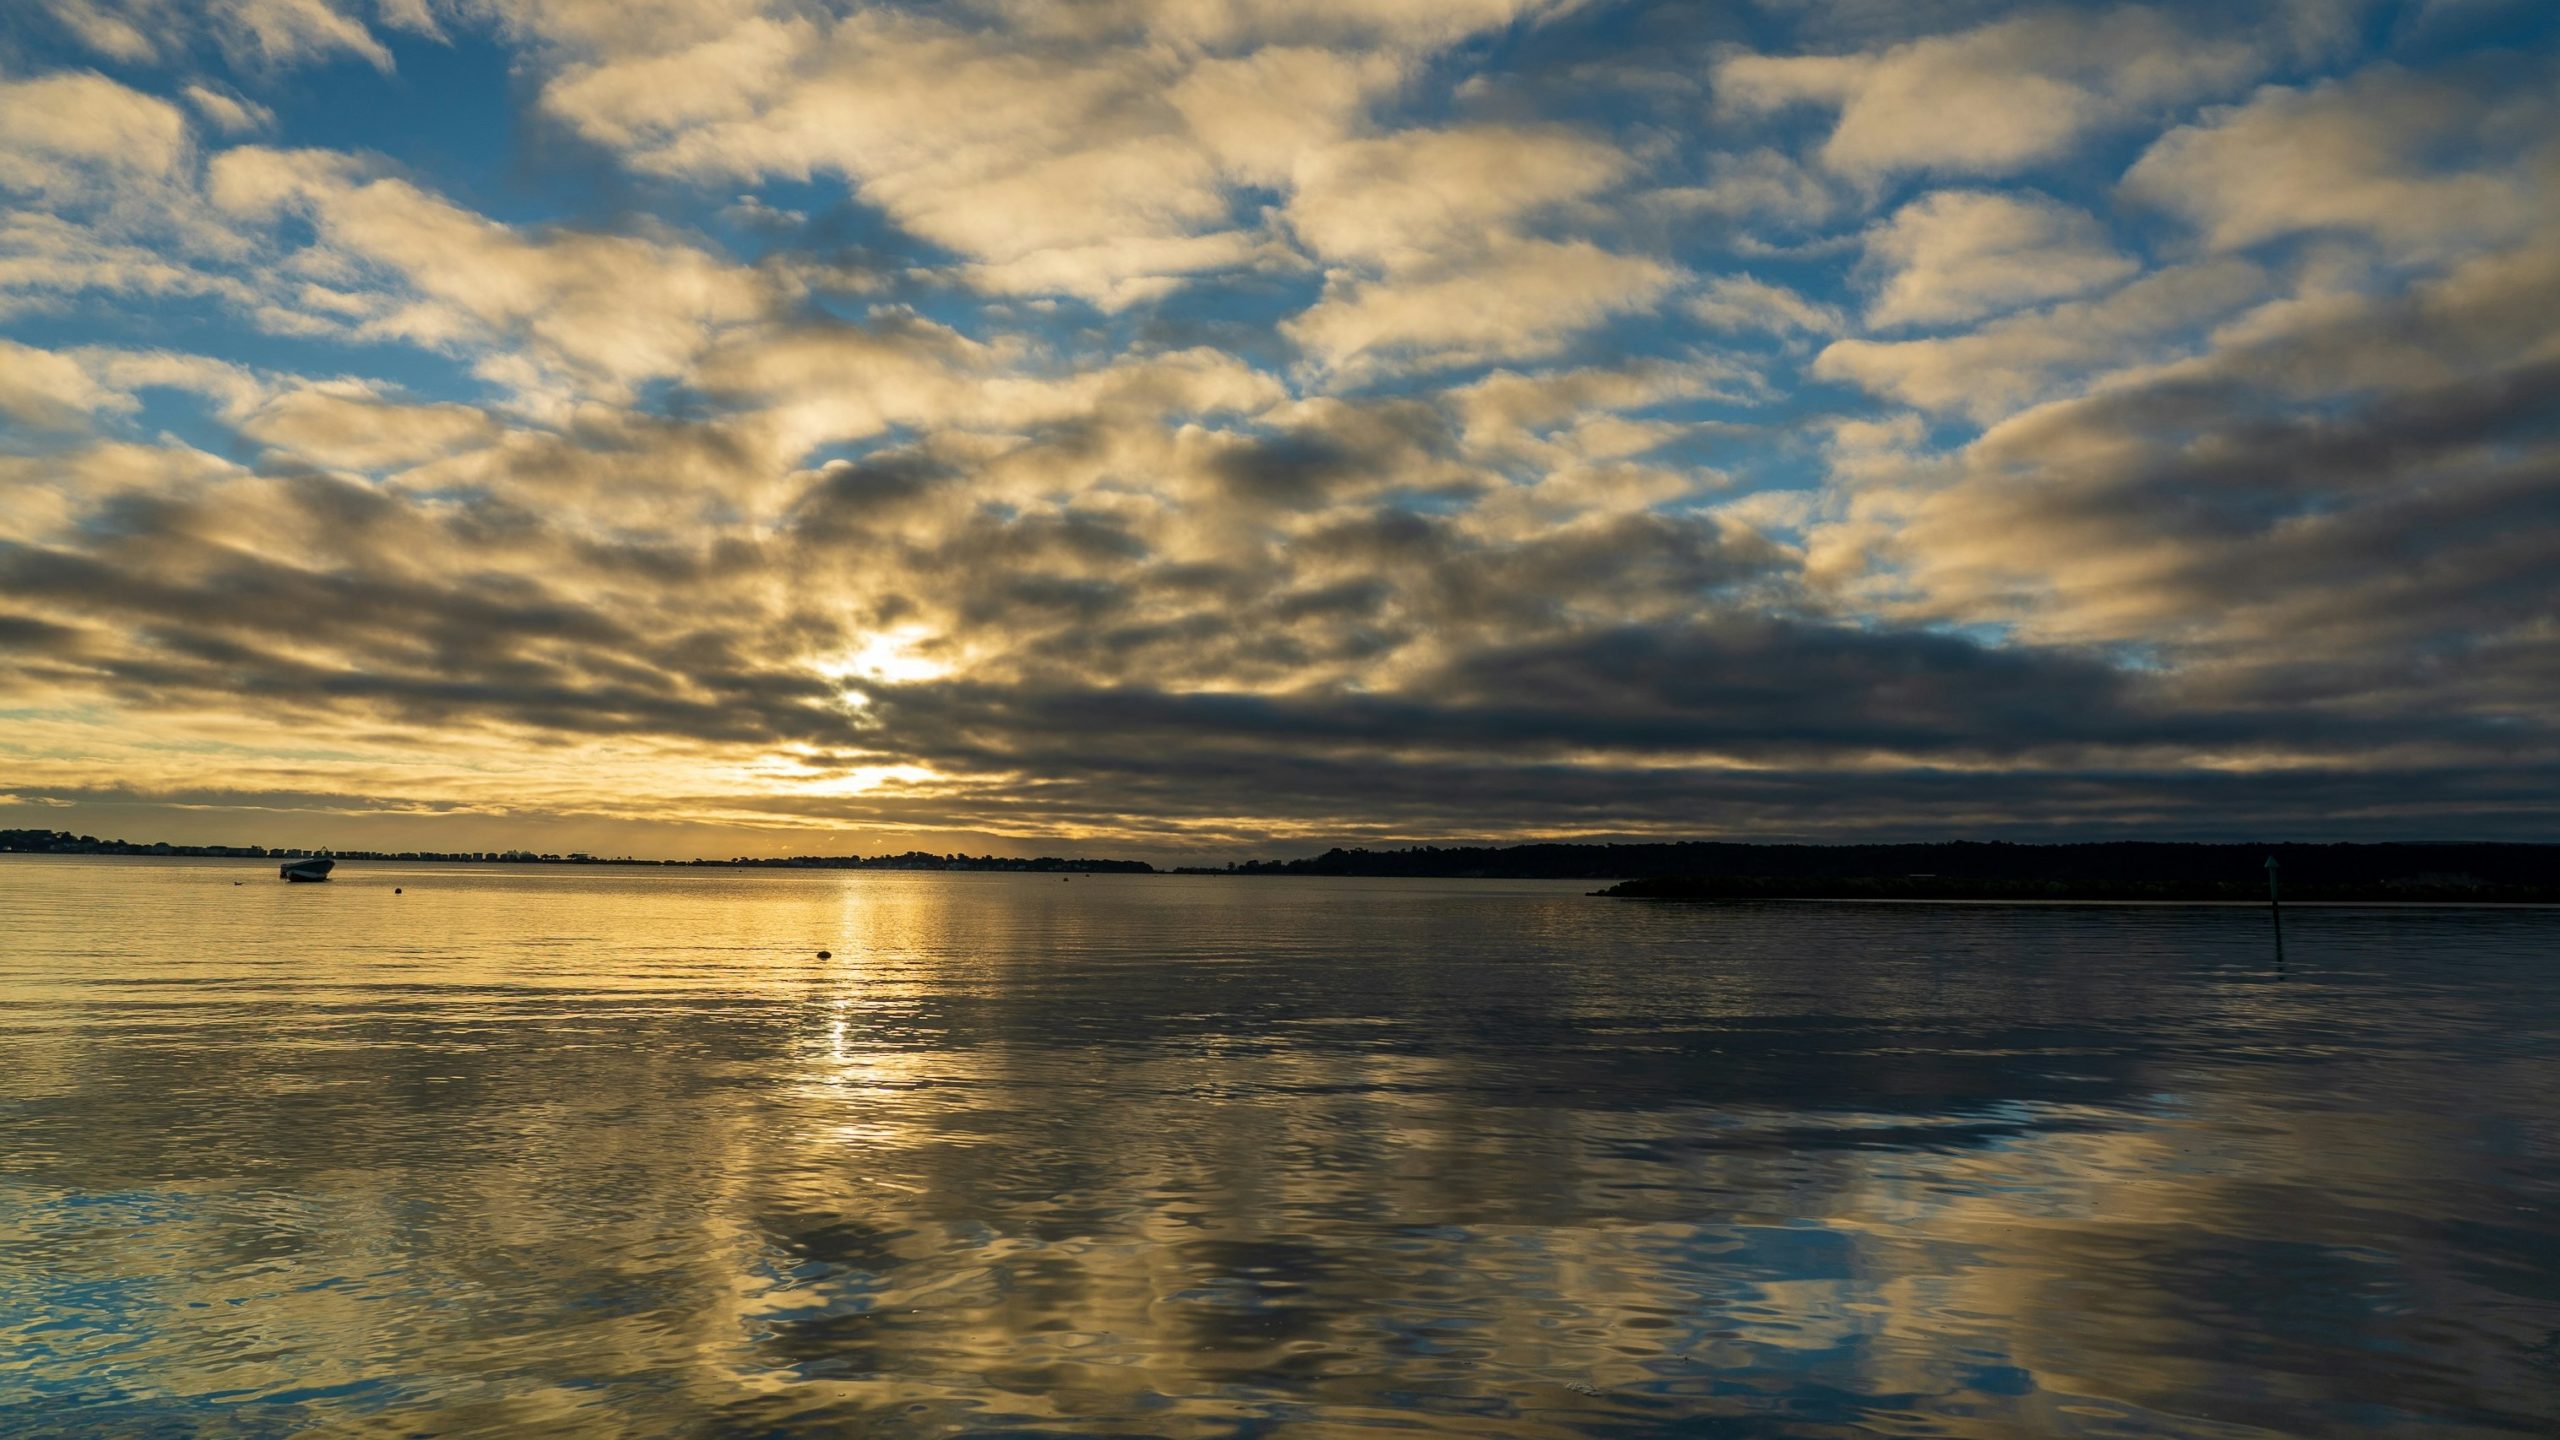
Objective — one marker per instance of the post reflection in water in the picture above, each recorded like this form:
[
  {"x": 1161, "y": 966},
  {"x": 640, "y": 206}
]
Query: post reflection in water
[{"x": 611, "y": 1153}]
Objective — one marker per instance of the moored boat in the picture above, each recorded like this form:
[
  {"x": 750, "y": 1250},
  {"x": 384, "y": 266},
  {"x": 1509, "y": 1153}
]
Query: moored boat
[{"x": 316, "y": 868}]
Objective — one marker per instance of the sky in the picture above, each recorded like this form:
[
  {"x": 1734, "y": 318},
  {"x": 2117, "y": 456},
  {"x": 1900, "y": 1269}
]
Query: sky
[{"x": 1212, "y": 427}]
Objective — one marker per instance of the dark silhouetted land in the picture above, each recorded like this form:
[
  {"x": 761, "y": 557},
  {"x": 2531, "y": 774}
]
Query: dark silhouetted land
[
  {"x": 63, "y": 842},
  {"x": 1712, "y": 869},
  {"x": 2450, "y": 890},
  {"x": 1976, "y": 870}
]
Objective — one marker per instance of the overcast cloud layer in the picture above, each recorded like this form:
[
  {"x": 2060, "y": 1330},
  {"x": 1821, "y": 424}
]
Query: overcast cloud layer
[{"x": 1190, "y": 426}]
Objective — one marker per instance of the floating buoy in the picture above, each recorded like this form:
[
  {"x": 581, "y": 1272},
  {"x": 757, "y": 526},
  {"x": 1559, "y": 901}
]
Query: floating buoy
[
  {"x": 826, "y": 954},
  {"x": 395, "y": 889}
]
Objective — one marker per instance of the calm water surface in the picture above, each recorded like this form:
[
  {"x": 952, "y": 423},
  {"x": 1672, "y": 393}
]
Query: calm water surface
[{"x": 587, "y": 1152}]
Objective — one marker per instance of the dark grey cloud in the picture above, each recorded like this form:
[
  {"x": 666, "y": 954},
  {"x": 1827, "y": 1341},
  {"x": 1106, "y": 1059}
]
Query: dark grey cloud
[
  {"x": 25, "y": 632},
  {"x": 848, "y": 496},
  {"x": 1434, "y": 426},
  {"x": 2387, "y": 548}
]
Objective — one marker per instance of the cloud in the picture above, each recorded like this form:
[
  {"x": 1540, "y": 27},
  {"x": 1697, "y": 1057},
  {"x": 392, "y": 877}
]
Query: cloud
[
  {"x": 1517, "y": 299},
  {"x": 2422, "y": 165},
  {"x": 352, "y": 425},
  {"x": 1097, "y": 157},
  {"x": 1180, "y": 421},
  {"x": 65, "y": 390},
  {"x": 283, "y": 32},
  {"x": 1509, "y": 410},
  {"x": 589, "y": 310},
  {"x": 259, "y": 33},
  {"x": 1259, "y": 113},
  {"x": 64, "y": 134},
  {"x": 49, "y": 391},
  {"x": 106, "y": 179},
  {"x": 1731, "y": 689},
  {"x": 230, "y": 114},
  {"x": 1405, "y": 24},
  {"x": 2011, "y": 94},
  {"x": 1406, "y": 200},
  {"x": 45, "y": 260},
  {"x": 130, "y": 369},
  {"x": 2349, "y": 505},
  {"x": 1000, "y": 154},
  {"x": 109, "y": 29},
  {"x": 1758, "y": 184},
  {"x": 1433, "y": 260},
  {"x": 1741, "y": 302},
  {"x": 821, "y": 383},
  {"x": 1053, "y": 173},
  {"x": 1991, "y": 371},
  {"x": 1958, "y": 255}
]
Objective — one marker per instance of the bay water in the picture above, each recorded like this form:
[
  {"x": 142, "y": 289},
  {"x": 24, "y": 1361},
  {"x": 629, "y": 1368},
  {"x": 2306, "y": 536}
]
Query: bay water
[{"x": 595, "y": 1151}]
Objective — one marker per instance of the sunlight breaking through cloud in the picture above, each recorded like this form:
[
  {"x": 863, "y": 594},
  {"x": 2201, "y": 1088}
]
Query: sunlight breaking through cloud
[{"x": 1177, "y": 425}]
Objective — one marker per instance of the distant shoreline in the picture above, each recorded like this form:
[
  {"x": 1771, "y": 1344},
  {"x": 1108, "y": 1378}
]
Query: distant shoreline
[
  {"x": 2172, "y": 872},
  {"x": 28, "y": 842},
  {"x": 973, "y": 865},
  {"x": 1661, "y": 892},
  {"x": 2467, "y": 904},
  {"x": 1932, "y": 890}
]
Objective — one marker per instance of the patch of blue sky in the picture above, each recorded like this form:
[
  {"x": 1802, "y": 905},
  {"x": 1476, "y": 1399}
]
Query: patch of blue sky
[
  {"x": 938, "y": 299},
  {"x": 456, "y": 117},
  {"x": 183, "y": 416},
  {"x": 2425, "y": 33},
  {"x": 1713, "y": 447},
  {"x": 673, "y": 399},
  {"x": 1417, "y": 500},
  {"x": 837, "y": 307},
  {"x": 1989, "y": 634},
  {"x": 821, "y": 221},
  {"x": 820, "y": 215},
  {"x": 1944, "y": 433},
  {"x": 903, "y": 275},
  {"x": 2140, "y": 656},
  {"x": 1237, "y": 311}
]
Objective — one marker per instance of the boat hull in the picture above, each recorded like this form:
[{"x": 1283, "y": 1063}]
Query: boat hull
[{"x": 306, "y": 872}]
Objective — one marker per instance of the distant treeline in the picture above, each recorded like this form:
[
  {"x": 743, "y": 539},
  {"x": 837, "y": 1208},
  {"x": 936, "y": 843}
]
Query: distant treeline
[
  {"x": 2119, "y": 869},
  {"x": 919, "y": 860},
  {"x": 2411, "y": 890},
  {"x": 1711, "y": 869},
  {"x": 63, "y": 842}
]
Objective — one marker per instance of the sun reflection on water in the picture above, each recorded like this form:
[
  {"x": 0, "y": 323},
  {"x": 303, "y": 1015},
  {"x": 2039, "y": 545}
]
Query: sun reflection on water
[{"x": 618, "y": 1156}]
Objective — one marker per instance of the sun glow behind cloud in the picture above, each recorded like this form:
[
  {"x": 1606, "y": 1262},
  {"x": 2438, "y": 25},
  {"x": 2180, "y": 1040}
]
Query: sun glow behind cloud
[
  {"x": 1185, "y": 426},
  {"x": 798, "y": 775},
  {"x": 895, "y": 656}
]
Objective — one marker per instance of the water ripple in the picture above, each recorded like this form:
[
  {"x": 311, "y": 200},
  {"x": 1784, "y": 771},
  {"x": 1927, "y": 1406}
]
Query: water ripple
[{"x": 613, "y": 1153}]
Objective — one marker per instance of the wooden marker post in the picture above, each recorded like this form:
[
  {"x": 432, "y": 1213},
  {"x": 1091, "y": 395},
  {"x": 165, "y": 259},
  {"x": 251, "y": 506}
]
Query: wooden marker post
[{"x": 2275, "y": 912}]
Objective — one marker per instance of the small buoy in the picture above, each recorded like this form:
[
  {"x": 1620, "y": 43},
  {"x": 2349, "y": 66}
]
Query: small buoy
[
  {"x": 826, "y": 954},
  {"x": 395, "y": 889}
]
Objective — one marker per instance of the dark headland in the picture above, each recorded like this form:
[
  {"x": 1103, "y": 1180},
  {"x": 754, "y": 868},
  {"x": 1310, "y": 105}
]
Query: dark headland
[
  {"x": 1984, "y": 870},
  {"x": 2411, "y": 872}
]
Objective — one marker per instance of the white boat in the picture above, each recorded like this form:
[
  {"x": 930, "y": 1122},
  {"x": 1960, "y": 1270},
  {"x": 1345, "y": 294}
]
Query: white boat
[{"x": 316, "y": 868}]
